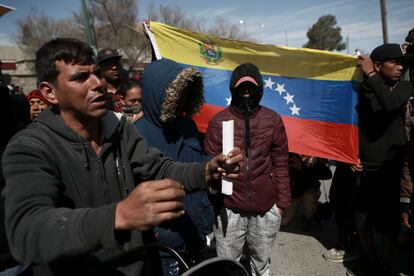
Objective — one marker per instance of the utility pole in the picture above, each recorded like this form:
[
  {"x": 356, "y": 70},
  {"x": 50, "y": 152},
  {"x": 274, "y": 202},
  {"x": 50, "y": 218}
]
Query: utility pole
[{"x": 384, "y": 21}]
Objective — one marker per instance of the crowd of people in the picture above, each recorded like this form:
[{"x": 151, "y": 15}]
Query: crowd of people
[{"x": 95, "y": 163}]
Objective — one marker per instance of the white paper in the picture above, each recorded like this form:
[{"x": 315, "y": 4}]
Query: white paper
[{"x": 228, "y": 145}]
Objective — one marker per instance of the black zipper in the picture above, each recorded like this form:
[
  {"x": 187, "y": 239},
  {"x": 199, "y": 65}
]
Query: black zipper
[
  {"x": 104, "y": 180},
  {"x": 120, "y": 169},
  {"x": 248, "y": 183}
]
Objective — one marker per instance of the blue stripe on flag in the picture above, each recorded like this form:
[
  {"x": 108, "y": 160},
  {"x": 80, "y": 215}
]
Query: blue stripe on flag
[{"x": 320, "y": 100}]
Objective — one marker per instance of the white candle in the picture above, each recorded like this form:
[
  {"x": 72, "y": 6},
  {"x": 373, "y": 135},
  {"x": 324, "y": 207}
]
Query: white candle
[{"x": 228, "y": 145}]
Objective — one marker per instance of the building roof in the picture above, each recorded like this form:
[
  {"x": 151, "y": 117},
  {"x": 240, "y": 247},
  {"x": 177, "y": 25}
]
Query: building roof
[
  {"x": 5, "y": 9},
  {"x": 10, "y": 53}
]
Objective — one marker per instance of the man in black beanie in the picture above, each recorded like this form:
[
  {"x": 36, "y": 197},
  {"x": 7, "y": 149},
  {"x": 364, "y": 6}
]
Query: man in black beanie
[{"x": 383, "y": 101}]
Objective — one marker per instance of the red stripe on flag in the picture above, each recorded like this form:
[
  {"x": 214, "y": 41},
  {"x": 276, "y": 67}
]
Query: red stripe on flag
[
  {"x": 314, "y": 138},
  {"x": 206, "y": 113},
  {"x": 328, "y": 140}
]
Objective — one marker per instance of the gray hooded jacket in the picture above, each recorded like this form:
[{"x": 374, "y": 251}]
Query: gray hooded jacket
[{"x": 60, "y": 197}]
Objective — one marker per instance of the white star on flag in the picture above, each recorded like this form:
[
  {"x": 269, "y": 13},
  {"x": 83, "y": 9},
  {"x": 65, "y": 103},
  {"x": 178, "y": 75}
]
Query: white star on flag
[
  {"x": 280, "y": 88},
  {"x": 295, "y": 109},
  {"x": 288, "y": 98},
  {"x": 269, "y": 83},
  {"x": 228, "y": 100}
]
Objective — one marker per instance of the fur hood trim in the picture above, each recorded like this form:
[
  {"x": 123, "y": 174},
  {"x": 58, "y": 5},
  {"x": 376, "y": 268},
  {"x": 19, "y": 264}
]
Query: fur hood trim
[{"x": 187, "y": 89}]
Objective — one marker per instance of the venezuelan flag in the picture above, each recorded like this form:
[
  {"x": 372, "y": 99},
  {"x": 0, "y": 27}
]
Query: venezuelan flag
[{"x": 314, "y": 91}]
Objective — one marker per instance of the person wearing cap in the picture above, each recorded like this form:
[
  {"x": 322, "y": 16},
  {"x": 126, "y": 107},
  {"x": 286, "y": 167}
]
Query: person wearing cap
[
  {"x": 110, "y": 67},
  {"x": 252, "y": 214},
  {"x": 37, "y": 102},
  {"x": 382, "y": 108}
]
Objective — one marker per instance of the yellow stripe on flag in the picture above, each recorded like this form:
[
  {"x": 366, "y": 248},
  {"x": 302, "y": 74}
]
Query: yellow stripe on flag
[{"x": 272, "y": 60}]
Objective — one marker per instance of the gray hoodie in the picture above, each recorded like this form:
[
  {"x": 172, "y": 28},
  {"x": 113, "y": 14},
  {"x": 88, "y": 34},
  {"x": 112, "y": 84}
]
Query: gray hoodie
[{"x": 60, "y": 197}]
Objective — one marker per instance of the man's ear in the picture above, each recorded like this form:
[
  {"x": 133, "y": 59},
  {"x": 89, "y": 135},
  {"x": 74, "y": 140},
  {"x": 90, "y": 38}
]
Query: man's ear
[
  {"x": 377, "y": 66},
  {"x": 48, "y": 91}
]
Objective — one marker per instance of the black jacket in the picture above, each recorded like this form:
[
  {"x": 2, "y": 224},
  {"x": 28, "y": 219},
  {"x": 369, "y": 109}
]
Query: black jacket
[
  {"x": 381, "y": 111},
  {"x": 60, "y": 197}
]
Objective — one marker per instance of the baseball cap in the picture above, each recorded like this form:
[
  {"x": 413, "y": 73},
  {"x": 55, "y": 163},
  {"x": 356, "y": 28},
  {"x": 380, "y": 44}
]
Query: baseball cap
[
  {"x": 107, "y": 53},
  {"x": 246, "y": 79}
]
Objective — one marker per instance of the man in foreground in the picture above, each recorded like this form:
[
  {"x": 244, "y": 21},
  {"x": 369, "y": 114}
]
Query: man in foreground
[{"x": 81, "y": 183}]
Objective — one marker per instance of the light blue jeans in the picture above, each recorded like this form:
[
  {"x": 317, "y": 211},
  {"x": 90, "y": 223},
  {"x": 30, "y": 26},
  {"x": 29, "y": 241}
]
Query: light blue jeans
[{"x": 259, "y": 233}]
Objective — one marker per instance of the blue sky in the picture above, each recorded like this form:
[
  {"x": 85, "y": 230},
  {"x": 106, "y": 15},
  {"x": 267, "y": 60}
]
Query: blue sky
[{"x": 268, "y": 21}]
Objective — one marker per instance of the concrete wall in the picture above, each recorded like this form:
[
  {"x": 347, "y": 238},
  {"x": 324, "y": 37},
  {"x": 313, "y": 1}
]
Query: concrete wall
[{"x": 24, "y": 76}]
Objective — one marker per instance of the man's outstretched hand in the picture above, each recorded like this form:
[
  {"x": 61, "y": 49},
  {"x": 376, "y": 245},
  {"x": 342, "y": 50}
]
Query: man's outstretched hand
[
  {"x": 150, "y": 204},
  {"x": 224, "y": 165},
  {"x": 154, "y": 202}
]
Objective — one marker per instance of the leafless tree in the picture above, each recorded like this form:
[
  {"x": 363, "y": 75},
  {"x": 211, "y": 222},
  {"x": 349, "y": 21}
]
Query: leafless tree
[
  {"x": 37, "y": 28},
  {"x": 152, "y": 13},
  {"x": 223, "y": 28},
  {"x": 172, "y": 16},
  {"x": 114, "y": 24},
  {"x": 111, "y": 17},
  {"x": 177, "y": 18},
  {"x": 111, "y": 22}
]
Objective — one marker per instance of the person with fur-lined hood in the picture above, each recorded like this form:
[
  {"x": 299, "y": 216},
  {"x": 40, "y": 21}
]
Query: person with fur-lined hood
[{"x": 172, "y": 93}]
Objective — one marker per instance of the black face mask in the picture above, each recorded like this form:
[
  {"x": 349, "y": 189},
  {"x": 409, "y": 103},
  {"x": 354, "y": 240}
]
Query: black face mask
[
  {"x": 247, "y": 104},
  {"x": 132, "y": 109}
]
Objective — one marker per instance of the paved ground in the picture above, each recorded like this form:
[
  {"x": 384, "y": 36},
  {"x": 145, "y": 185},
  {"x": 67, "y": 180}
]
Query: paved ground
[{"x": 299, "y": 253}]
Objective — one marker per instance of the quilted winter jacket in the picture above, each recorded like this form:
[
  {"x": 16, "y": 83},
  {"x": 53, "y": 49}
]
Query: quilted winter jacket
[{"x": 264, "y": 176}]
